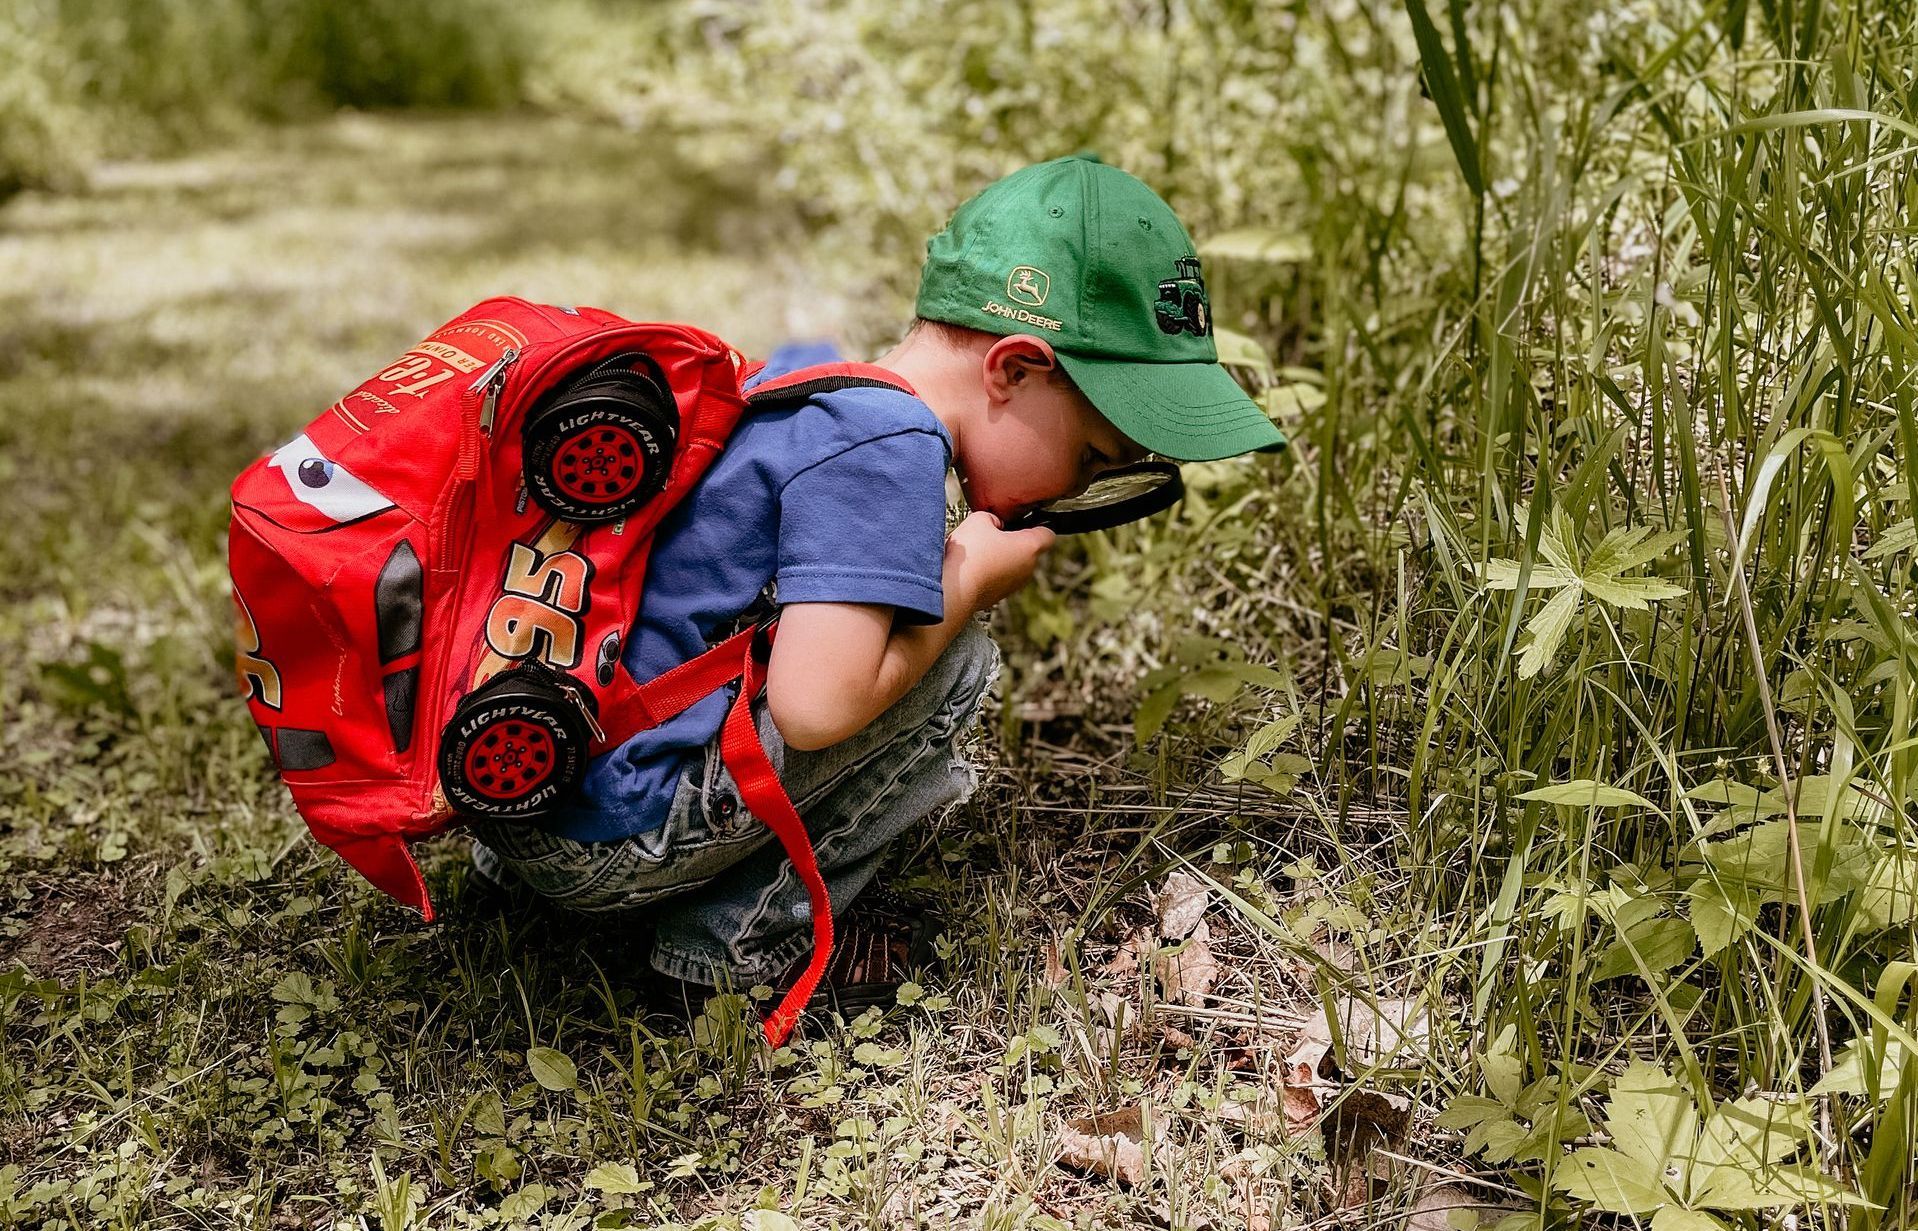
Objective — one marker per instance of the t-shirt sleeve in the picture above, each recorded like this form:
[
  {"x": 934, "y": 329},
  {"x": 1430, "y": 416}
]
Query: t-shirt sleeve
[{"x": 868, "y": 525}]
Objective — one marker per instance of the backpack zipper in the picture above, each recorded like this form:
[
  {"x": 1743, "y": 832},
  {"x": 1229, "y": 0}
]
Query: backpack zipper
[
  {"x": 477, "y": 429},
  {"x": 489, "y": 385}
]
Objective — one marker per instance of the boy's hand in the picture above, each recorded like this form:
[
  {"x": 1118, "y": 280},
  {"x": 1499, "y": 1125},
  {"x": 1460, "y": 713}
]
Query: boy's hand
[{"x": 985, "y": 563}]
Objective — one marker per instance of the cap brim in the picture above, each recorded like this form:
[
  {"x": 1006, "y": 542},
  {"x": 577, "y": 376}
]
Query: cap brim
[{"x": 1189, "y": 412}]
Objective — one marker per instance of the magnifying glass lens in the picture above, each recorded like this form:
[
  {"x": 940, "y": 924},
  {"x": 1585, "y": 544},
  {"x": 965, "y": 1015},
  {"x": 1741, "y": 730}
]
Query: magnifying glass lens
[{"x": 1113, "y": 499}]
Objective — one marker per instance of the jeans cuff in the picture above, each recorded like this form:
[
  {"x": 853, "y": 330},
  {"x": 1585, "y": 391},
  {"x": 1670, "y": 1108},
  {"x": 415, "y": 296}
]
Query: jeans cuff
[{"x": 711, "y": 970}]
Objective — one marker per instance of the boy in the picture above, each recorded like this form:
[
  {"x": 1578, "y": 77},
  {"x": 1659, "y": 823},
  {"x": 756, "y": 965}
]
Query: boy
[{"x": 1062, "y": 329}]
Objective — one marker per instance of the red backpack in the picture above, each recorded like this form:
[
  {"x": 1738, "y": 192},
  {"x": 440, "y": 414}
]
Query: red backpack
[{"x": 433, "y": 581}]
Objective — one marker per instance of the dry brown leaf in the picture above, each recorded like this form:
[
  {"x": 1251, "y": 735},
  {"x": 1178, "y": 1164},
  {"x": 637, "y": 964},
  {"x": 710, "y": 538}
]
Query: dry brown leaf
[
  {"x": 1392, "y": 1032},
  {"x": 1188, "y": 972},
  {"x": 1368, "y": 1116},
  {"x": 1299, "y": 1090},
  {"x": 1111, "y": 1145},
  {"x": 1244, "y": 1171},
  {"x": 1125, "y": 963},
  {"x": 1436, "y": 1206},
  {"x": 1181, "y": 904},
  {"x": 1111, "y": 1014},
  {"x": 1054, "y": 974},
  {"x": 1339, "y": 954}
]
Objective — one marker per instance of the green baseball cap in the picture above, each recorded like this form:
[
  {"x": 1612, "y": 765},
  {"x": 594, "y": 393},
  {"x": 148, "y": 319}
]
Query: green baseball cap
[{"x": 1090, "y": 259}]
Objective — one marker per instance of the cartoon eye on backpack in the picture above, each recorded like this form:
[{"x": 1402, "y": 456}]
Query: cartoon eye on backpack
[{"x": 433, "y": 581}]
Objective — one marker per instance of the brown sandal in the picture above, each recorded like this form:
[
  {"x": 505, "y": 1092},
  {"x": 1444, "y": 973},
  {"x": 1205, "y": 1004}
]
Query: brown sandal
[
  {"x": 875, "y": 946},
  {"x": 872, "y": 954}
]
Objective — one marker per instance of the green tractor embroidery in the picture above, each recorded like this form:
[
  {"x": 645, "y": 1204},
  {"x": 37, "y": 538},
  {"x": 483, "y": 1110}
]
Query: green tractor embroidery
[{"x": 1182, "y": 306}]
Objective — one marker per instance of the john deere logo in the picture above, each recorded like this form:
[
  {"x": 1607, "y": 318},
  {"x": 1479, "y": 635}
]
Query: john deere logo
[
  {"x": 1028, "y": 285},
  {"x": 1182, "y": 305}
]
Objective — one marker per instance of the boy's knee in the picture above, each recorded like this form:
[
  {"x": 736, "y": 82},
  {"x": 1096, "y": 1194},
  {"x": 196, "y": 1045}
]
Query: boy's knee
[{"x": 966, "y": 671}]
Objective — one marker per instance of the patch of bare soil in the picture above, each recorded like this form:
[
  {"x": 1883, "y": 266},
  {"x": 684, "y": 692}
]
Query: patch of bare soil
[{"x": 72, "y": 926}]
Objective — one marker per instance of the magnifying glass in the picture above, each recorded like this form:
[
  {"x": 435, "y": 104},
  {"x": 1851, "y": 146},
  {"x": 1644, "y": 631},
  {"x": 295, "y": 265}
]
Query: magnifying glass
[{"x": 1116, "y": 497}]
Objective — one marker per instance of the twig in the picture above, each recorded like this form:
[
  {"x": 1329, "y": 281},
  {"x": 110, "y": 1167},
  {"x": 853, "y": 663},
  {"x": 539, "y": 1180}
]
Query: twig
[{"x": 1787, "y": 786}]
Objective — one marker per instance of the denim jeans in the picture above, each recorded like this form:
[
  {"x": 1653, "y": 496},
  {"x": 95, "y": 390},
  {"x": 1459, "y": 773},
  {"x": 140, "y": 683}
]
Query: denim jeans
[{"x": 728, "y": 904}]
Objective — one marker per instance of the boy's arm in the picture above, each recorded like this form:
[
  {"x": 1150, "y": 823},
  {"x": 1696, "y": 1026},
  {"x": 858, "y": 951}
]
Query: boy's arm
[{"x": 837, "y": 666}]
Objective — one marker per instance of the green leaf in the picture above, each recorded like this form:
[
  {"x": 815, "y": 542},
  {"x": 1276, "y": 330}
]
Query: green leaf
[
  {"x": 1611, "y": 1181},
  {"x": 1236, "y": 350},
  {"x": 1901, "y": 536},
  {"x": 1470, "y": 1109},
  {"x": 1721, "y": 914},
  {"x": 1548, "y": 629},
  {"x": 526, "y": 1202},
  {"x": 1504, "y": 1076},
  {"x": 1503, "y": 575},
  {"x": 1671, "y": 1218},
  {"x": 1633, "y": 593},
  {"x": 1736, "y": 1188},
  {"x": 1444, "y": 87},
  {"x": 1624, "y": 549},
  {"x": 1651, "y": 1117},
  {"x": 1659, "y": 945},
  {"x": 1588, "y": 793},
  {"x": 551, "y": 1068},
  {"x": 1752, "y": 1133},
  {"x": 773, "y": 1220},
  {"x": 1851, "y": 1073},
  {"x": 1889, "y": 896},
  {"x": 1153, "y": 711},
  {"x": 1501, "y": 1140},
  {"x": 619, "y": 1179}
]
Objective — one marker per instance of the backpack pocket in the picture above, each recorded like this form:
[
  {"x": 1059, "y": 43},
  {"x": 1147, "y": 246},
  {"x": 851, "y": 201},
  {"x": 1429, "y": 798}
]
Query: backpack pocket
[{"x": 330, "y": 591}]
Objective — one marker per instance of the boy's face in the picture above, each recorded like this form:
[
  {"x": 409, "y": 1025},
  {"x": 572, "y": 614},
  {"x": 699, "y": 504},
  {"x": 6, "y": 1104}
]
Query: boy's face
[{"x": 1039, "y": 439}]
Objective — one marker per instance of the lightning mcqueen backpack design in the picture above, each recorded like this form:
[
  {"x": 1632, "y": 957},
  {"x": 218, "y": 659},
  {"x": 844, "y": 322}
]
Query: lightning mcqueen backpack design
[{"x": 434, "y": 580}]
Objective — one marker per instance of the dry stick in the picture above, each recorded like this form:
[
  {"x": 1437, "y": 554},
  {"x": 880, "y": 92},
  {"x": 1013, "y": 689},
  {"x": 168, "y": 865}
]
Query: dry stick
[{"x": 1790, "y": 790}]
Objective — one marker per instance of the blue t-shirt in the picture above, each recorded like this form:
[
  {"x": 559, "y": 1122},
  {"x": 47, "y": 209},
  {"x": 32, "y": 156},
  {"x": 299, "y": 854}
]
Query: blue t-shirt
[{"x": 839, "y": 499}]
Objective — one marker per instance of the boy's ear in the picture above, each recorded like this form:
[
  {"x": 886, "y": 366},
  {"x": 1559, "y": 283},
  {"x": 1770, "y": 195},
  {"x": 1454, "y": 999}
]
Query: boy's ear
[{"x": 1015, "y": 358}]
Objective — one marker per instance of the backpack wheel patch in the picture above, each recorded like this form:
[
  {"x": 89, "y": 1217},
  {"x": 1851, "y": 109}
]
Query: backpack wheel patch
[
  {"x": 602, "y": 448},
  {"x": 516, "y": 747}
]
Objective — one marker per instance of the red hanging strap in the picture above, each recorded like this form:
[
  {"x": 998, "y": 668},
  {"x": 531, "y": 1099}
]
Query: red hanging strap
[
  {"x": 765, "y": 797},
  {"x": 743, "y": 657}
]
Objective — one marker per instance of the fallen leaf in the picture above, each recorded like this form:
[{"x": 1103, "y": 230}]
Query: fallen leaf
[
  {"x": 1182, "y": 902},
  {"x": 1125, "y": 963},
  {"x": 1243, "y": 1172},
  {"x": 1054, "y": 973},
  {"x": 1110, "y": 1013},
  {"x": 1176, "y": 1038},
  {"x": 1111, "y": 1145},
  {"x": 1188, "y": 972},
  {"x": 1311, "y": 1081},
  {"x": 1446, "y": 1207},
  {"x": 1362, "y": 1110},
  {"x": 1340, "y": 954},
  {"x": 1390, "y": 1032},
  {"x": 1299, "y": 1098}
]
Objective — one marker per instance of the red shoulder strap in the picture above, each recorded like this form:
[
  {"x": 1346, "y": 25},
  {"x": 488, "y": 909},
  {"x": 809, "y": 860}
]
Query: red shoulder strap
[
  {"x": 802, "y": 383},
  {"x": 742, "y": 657}
]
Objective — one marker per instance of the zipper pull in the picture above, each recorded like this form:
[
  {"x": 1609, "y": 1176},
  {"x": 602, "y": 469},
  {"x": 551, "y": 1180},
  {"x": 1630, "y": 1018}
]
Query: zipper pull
[
  {"x": 493, "y": 380},
  {"x": 472, "y": 432}
]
